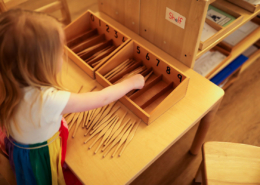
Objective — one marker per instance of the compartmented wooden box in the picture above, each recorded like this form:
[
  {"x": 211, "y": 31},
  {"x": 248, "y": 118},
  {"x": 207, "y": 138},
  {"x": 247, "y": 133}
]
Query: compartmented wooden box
[
  {"x": 91, "y": 41},
  {"x": 246, "y": 5},
  {"x": 220, "y": 29},
  {"x": 165, "y": 85}
]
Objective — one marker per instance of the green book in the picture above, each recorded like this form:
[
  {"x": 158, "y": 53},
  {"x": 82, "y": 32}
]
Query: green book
[{"x": 218, "y": 16}]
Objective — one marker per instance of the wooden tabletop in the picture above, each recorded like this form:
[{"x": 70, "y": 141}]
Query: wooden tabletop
[{"x": 150, "y": 142}]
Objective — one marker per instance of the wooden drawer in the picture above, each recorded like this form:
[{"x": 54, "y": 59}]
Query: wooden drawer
[
  {"x": 165, "y": 87},
  {"x": 243, "y": 4},
  {"x": 220, "y": 29},
  {"x": 89, "y": 39}
]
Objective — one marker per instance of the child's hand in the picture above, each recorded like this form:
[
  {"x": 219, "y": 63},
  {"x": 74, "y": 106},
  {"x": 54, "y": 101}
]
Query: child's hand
[{"x": 137, "y": 81}]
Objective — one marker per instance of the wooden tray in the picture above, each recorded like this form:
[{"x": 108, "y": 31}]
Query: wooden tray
[
  {"x": 243, "y": 4},
  {"x": 88, "y": 25},
  {"x": 221, "y": 30},
  {"x": 163, "y": 89}
]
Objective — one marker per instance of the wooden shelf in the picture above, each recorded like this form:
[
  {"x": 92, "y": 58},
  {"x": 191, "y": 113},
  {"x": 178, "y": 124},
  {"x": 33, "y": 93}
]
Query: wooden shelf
[
  {"x": 246, "y": 5},
  {"x": 238, "y": 49},
  {"x": 212, "y": 1},
  {"x": 247, "y": 17},
  {"x": 250, "y": 60}
]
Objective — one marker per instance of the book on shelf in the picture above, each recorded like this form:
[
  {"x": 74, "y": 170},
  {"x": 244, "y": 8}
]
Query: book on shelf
[
  {"x": 241, "y": 33},
  {"x": 207, "y": 32},
  {"x": 228, "y": 70},
  {"x": 254, "y": 2},
  {"x": 218, "y": 16},
  {"x": 249, "y": 51},
  {"x": 208, "y": 61}
]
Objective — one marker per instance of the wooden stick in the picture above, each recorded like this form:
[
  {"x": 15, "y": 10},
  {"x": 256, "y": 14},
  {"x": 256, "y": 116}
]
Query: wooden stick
[
  {"x": 97, "y": 111},
  {"x": 93, "y": 112},
  {"x": 91, "y": 131},
  {"x": 117, "y": 139},
  {"x": 102, "y": 54},
  {"x": 70, "y": 118},
  {"x": 96, "y": 63},
  {"x": 87, "y": 120},
  {"x": 123, "y": 139},
  {"x": 88, "y": 60},
  {"x": 99, "y": 130},
  {"x": 105, "y": 136},
  {"x": 76, "y": 115},
  {"x": 103, "y": 132},
  {"x": 97, "y": 118},
  {"x": 113, "y": 70},
  {"x": 115, "y": 128},
  {"x": 130, "y": 137},
  {"x": 80, "y": 89},
  {"x": 93, "y": 88},
  {"x": 134, "y": 72},
  {"x": 66, "y": 115},
  {"x": 89, "y": 48},
  {"x": 76, "y": 47},
  {"x": 87, "y": 112},
  {"x": 106, "y": 112},
  {"x": 116, "y": 134},
  {"x": 106, "y": 118},
  {"x": 147, "y": 76},
  {"x": 122, "y": 69},
  {"x": 84, "y": 119},
  {"x": 81, "y": 115}
]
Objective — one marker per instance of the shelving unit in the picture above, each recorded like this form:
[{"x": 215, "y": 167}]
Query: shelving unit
[
  {"x": 237, "y": 49},
  {"x": 247, "y": 16},
  {"x": 182, "y": 44}
]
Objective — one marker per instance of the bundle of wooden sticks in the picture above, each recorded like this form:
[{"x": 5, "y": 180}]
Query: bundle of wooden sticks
[
  {"x": 91, "y": 47},
  {"x": 105, "y": 124},
  {"x": 126, "y": 69}
]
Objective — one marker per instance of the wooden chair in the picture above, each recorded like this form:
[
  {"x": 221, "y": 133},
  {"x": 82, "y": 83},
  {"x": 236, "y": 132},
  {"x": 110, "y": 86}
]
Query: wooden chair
[
  {"x": 229, "y": 163},
  {"x": 6, "y": 170},
  {"x": 61, "y": 5}
]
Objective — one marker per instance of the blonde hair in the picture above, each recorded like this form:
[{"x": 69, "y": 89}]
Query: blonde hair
[{"x": 30, "y": 46}]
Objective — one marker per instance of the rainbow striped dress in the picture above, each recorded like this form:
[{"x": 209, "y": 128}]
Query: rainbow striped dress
[{"x": 40, "y": 163}]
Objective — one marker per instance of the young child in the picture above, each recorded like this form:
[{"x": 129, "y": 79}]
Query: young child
[{"x": 31, "y": 100}]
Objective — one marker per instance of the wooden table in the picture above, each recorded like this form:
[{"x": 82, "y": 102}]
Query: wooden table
[{"x": 150, "y": 142}]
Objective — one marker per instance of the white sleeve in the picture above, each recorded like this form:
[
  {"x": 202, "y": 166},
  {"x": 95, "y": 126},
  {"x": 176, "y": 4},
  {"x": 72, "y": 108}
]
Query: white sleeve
[{"x": 54, "y": 101}]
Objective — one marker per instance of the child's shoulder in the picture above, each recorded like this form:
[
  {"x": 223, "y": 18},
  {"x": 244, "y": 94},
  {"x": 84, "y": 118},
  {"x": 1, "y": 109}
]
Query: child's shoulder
[{"x": 45, "y": 95}]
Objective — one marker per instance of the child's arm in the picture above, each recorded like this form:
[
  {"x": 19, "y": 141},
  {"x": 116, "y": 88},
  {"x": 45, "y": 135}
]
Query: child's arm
[{"x": 91, "y": 100}]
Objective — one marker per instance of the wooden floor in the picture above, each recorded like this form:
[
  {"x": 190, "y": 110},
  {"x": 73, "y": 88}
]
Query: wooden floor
[{"x": 238, "y": 120}]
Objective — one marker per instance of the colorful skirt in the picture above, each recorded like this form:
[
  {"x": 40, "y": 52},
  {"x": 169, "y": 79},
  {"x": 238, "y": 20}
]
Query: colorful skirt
[{"x": 39, "y": 163}]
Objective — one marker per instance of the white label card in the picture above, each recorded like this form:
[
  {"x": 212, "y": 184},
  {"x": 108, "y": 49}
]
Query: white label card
[
  {"x": 217, "y": 17},
  {"x": 175, "y": 18}
]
